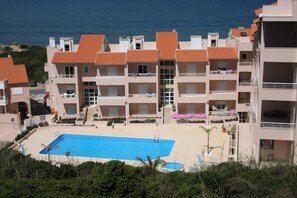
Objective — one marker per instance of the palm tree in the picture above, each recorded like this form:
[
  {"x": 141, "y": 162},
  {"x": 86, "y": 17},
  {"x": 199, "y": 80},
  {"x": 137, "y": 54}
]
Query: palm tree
[
  {"x": 150, "y": 166},
  {"x": 48, "y": 148},
  {"x": 208, "y": 130}
]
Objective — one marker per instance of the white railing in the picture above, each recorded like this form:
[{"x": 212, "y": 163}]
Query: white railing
[
  {"x": 109, "y": 77},
  {"x": 277, "y": 125},
  {"x": 147, "y": 95},
  {"x": 245, "y": 83},
  {"x": 245, "y": 63},
  {"x": 65, "y": 76},
  {"x": 192, "y": 95},
  {"x": 149, "y": 74},
  {"x": 3, "y": 98},
  {"x": 192, "y": 74},
  {"x": 274, "y": 85},
  {"x": 222, "y": 92},
  {"x": 110, "y": 97},
  {"x": 223, "y": 72},
  {"x": 66, "y": 95}
]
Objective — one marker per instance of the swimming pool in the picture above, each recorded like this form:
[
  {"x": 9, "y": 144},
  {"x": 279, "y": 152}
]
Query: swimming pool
[
  {"x": 173, "y": 166},
  {"x": 120, "y": 148}
]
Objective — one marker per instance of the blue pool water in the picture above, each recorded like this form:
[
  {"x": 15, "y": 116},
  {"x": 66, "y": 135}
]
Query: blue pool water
[
  {"x": 173, "y": 166},
  {"x": 119, "y": 148}
]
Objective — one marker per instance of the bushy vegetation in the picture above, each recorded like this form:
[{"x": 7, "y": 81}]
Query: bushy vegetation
[
  {"x": 22, "y": 176},
  {"x": 24, "y": 133},
  {"x": 33, "y": 57}
]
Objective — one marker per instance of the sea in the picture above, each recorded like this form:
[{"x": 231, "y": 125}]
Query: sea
[{"x": 32, "y": 22}]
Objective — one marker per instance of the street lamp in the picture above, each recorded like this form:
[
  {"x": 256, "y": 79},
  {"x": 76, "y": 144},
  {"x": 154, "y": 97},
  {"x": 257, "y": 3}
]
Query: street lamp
[{"x": 14, "y": 136}]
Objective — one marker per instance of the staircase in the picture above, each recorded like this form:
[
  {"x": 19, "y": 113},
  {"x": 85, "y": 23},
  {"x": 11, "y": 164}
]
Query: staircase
[
  {"x": 90, "y": 115},
  {"x": 167, "y": 113}
]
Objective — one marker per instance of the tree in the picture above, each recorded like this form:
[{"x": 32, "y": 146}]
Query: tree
[
  {"x": 150, "y": 166},
  {"x": 208, "y": 130},
  {"x": 48, "y": 148}
]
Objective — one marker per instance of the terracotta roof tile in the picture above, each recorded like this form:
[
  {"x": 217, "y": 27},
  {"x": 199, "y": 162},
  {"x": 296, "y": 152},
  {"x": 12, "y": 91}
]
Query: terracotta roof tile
[
  {"x": 222, "y": 53},
  {"x": 109, "y": 58},
  {"x": 88, "y": 47},
  {"x": 144, "y": 56},
  {"x": 167, "y": 43},
  {"x": 238, "y": 32},
  {"x": 14, "y": 74},
  {"x": 257, "y": 20},
  {"x": 64, "y": 57},
  {"x": 191, "y": 56}
]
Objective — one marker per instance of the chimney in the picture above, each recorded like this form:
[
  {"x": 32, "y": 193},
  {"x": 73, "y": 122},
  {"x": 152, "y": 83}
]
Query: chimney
[
  {"x": 138, "y": 42},
  {"x": 124, "y": 43},
  {"x": 52, "y": 41},
  {"x": 66, "y": 43},
  {"x": 196, "y": 42},
  {"x": 213, "y": 39}
]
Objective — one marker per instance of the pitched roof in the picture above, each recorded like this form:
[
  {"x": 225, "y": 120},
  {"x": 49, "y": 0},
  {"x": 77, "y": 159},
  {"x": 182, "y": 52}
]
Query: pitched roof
[
  {"x": 167, "y": 43},
  {"x": 108, "y": 58},
  {"x": 88, "y": 47},
  {"x": 191, "y": 56},
  {"x": 257, "y": 20},
  {"x": 144, "y": 56},
  {"x": 222, "y": 53},
  {"x": 239, "y": 32},
  {"x": 14, "y": 74}
]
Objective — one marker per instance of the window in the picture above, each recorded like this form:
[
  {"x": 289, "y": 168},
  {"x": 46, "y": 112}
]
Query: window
[
  {"x": 138, "y": 46},
  {"x": 86, "y": 69},
  {"x": 167, "y": 63},
  {"x": 244, "y": 56},
  {"x": 213, "y": 43},
  {"x": 166, "y": 76},
  {"x": 161, "y": 63},
  {"x": 243, "y": 117},
  {"x": 89, "y": 83},
  {"x": 69, "y": 72},
  {"x": 17, "y": 90},
  {"x": 267, "y": 144},
  {"x": 167, "y": 96},
  {"x": 67, "y": 47},
  {"x": 142, "y": 69},
  {"x": 243, "y": 34}
]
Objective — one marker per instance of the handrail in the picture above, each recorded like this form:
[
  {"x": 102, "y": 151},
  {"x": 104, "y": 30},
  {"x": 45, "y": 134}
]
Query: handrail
[
  {"x": 147, "y": 95},
  {"x": 223, "y": 71},
  {"x": 276, "y": 85},
  {"x": 2, "y": 97},
  {"x": 65, "y": 95},
  {"x": 245, "y": 63},
  {"x": 192, "y": 95},
  {"x": 110, "y": 97},
  {"x": 222, "y": 92},
  {"x": 192, "y": 74},
  {"x": 277, "y": 125},
  {"x": 245, "y": 83},
  {"x": 65, "y": 75},
  {"x": 109, "y": 77},
  {"x": 149, "y": 74}
]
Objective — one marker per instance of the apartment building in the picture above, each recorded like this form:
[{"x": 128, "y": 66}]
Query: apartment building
[
  {"x": 14, "y": 98},
  {"x": 147, "y": 79},
  {"x": 274, "y": 99}
]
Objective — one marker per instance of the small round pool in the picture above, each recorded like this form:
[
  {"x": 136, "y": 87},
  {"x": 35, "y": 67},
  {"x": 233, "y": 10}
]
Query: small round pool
[{"x": 174, "y": 166}]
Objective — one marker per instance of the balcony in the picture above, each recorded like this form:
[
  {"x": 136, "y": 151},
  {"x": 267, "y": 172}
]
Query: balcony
[
  {"x": 278, "y": 125},
  {"x": 286, "y": 91},
  {"x": 191, "y": 77},
  {"x": 111, "y": 100},
  {"x": 65, "y": 78},
  {"x": 3, "y": 84},
  {"x": 110, "y": 80},
  {"x": 245, "y": 66},
  {"x": 243, "y": 107},
  {"x": 68, "y": 98},
  {"x": 3, "y": 101},
  {"x": 222, "y": 94},
  {"x": 142, "y": 77},
  {"x": 191, "y": 98},
  {"x": 223, "y": 74},
  {"x": 143, "y": 98}
]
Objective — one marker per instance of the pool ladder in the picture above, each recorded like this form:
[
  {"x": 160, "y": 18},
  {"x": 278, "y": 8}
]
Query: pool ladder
[
  {"x": 156, "y": 138},
  {"x": 57, "y": 134}
]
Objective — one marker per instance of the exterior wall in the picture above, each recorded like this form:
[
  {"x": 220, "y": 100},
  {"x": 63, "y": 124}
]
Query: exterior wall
[
  {"x": 197, "y": 108},
  {"x": 8, "y": 130}
]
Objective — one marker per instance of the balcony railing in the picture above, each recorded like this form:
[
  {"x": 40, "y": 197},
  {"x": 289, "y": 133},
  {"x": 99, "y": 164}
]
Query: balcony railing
[
  {"x": 192, "y": 95},
  {"x": 147, "y": 95},
  {"x": 223, "y": 71},
  {"x": 278, "y": 125},
  {"x": 2, "y": 98},
  {"x": 274, "y": 85},
  {"x": 65, "y": 75},
  {"x": 245, "y": 83},
  {"x": 109, "y": 77},
  {"x": 66, "y": 95},
  {"x": 222, "y": 92},
  {"x": 149, "y": 74},
  {"x": 192, "y": 74},
  {"x": 245, "y": 63},
  {"x": 110, "y": 97},
  {"x": 244, "y": 103}
]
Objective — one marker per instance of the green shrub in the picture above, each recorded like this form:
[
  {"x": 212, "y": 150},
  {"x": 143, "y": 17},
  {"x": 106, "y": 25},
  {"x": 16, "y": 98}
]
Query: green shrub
[
  {"x": 216, "y": 121},
  {"x": 24, "y": 133}
]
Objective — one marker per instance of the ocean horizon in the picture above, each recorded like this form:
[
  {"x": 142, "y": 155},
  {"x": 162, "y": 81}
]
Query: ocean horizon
[{"x": 32, "y": 22}]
